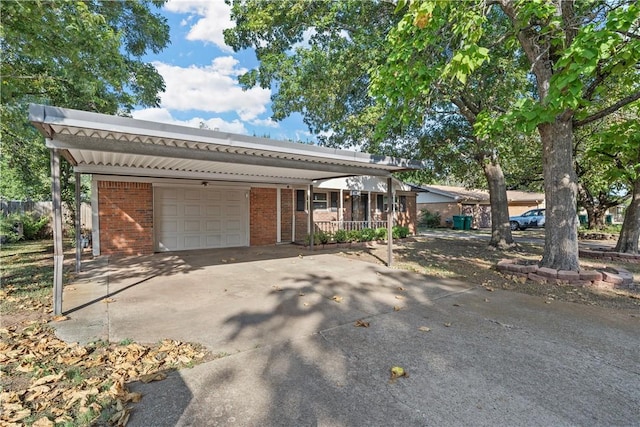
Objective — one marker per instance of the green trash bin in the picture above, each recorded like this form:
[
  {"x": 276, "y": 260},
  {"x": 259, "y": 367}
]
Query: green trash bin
[
  {"x": 458, "y": 222},
  {"x": 467, "y": 222},
  {"x": 583, "y": 219}
]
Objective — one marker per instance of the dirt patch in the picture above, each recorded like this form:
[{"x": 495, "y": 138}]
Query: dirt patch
[{"x": 473, "y": 261}]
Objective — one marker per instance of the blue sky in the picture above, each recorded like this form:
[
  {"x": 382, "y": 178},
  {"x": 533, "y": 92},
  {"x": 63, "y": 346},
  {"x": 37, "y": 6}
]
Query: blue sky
[{"x": 201, "y": 77}]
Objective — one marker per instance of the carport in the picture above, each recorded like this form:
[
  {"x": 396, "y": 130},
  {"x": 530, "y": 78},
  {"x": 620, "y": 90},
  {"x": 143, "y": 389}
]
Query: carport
[{"x": 107, "y": 145}]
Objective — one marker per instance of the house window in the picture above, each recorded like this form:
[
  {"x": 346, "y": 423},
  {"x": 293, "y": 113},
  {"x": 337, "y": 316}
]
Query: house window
[
  {"x": 334, "y": 200},
  {"x": 402, "y": 204},
  {"x": 380, "y": 203},
  {"x": 300, "y": 200},
  {"x": 320, "y": 201}
]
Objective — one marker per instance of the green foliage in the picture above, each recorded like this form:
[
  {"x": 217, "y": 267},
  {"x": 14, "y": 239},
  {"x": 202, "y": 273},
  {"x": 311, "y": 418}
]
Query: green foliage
[
  {"x": 32, "y": 227},
  {"x": 367, "y": 235},
  {"x": 73, "y": 54},
  {"x": 381, "y": 233},
  {"x": 353, "y": 236},
  {"x": 429, "y": 219},
  {"x": 341, "y": 236},
  {"x": 319, "y": 238},
  {"x": 400, "y": 232}
]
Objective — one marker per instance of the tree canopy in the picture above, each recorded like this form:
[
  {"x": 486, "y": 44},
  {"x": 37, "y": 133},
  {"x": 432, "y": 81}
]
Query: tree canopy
[{"x": 73, "y": 54}]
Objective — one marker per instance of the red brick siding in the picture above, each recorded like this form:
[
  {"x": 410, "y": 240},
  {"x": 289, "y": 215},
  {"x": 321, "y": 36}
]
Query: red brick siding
[
  {"x": 302, "y": 222},
  {"x": 286, "y": 215},
  {"x": 263, "y": 219},
  {"x": 408, "y": 218},
  {"x": 126, "y": 217}
]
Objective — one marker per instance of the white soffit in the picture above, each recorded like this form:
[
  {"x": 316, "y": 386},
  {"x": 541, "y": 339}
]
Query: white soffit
[{"x": 99, "y": 143}]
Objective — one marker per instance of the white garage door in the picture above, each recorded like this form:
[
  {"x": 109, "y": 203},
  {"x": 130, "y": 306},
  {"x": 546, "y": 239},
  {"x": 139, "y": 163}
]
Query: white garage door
[{"x": 199, "y": 218}]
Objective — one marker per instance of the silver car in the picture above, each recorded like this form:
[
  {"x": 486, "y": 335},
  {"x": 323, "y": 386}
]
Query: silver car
[{"x": 529, "y": 219}]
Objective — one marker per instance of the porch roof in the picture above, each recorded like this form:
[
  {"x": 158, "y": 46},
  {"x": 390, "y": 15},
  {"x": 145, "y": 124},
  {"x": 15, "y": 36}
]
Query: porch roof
[{"x": 111, "y": 145}]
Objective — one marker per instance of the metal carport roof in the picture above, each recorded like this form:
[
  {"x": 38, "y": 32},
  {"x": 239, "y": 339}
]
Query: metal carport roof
[{"x": 104, "y": 144}]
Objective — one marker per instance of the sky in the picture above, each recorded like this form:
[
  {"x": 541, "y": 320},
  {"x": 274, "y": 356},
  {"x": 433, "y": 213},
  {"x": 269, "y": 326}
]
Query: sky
[{"x": 201, "y": 77}]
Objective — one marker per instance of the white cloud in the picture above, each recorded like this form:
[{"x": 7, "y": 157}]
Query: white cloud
[
  {"x": 211, "y": 88},
  {"x": 265, "y": 122},
  {"x": 213, "y": 17},
  {"x": 162, "y": 115}
]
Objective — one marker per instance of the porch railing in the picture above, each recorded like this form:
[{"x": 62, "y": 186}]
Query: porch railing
[{"x": 333, "y": 226}]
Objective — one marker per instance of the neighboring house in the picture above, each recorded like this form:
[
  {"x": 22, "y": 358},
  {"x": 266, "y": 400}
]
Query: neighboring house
[
  {"x": 159, "y": 187},
  {"x": 449, "y": 201}
]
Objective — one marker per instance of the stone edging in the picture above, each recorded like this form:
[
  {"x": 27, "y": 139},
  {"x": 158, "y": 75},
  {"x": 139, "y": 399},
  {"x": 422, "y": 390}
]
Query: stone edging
[
  {"x": 608, "y": 278},
  {"x": 609, "y": 255}
]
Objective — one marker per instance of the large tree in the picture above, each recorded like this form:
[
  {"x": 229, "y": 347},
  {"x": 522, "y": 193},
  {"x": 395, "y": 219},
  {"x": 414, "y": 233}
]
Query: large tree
[
  {"x": 320, "y": 56},
  {"x": 74, "y": 54},
  {"x": 574, "y": 50}
]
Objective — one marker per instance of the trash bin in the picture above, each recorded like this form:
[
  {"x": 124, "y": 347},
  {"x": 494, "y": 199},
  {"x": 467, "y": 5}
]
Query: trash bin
[
  {"x": 582, "y": 219},
  {"x": 467, "y": 222},
  {"x": 608, "y": 219},
  {"x": 458, "y": 222}
]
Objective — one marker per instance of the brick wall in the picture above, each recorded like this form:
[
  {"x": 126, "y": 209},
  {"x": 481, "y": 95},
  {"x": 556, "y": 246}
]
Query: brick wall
[
  {"x": 286, "y": 215},
  {"x": 263, "y": 216},
  {"x": 126, "y": 217},
  {"x": 408, "y": 218}
]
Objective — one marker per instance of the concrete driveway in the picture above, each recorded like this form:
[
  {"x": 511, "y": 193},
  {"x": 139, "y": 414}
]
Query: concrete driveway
[{"x": 293, "y": 357}]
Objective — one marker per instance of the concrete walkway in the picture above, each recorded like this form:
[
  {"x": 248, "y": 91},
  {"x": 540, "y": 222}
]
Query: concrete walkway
[{"x": 291, "y": 355}]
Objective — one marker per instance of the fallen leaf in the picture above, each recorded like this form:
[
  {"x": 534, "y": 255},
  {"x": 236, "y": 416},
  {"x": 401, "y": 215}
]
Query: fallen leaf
[
  {"x": 400, "y": 288},
  {"x": 60, "y": 318},
  {"x": 337, "y": 298},
  {"x": 223, "y": 260},
  {"x": 306, "y": 304},
  {"x": 489, "y": 289},
  {"x": 457, "y": 305},
  {"x": 397, "y": 308},
  {"x": 424, "y": 328},
  {"x": 301, "y": 294},
  {"x": 486, "y": 300},
  {"x": 447, "y": 324},
  {"x": 43, "y": 422},
  {"x": 362, "y": 323},
  {"x": 399, "y": 297},
  {"x": 158, "y": 376},
  {"x": 108, "y": 300},
  {"x": 397, "y": 372}
]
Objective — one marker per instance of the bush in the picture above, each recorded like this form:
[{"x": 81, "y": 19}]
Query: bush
[
  {"x": 28, "y": 226},
  {"x": 353, "y": 236},
  {"x": 367, "y": 234},
  {"x": 429, "y": 219},
  {"x": 400, "y": 232},
  {"x": 319, "y": 238},
  {"x": 341, "y": 236},
  {"x": 381, "y": 233}
]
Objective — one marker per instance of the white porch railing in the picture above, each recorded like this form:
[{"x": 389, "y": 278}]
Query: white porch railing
[{"x": 333, "y": 226}]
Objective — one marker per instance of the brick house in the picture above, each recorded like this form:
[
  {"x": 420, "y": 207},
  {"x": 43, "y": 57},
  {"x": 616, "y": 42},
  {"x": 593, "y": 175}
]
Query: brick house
[
  {"x": 159, "y": 187},
  {"x": 450, "y": 200}
]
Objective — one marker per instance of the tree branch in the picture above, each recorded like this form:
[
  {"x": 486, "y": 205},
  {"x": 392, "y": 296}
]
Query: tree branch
[{"x": 611, "y": 109}]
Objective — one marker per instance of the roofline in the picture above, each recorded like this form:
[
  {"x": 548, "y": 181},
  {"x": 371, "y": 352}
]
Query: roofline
[{"x": 43, "y": 116}]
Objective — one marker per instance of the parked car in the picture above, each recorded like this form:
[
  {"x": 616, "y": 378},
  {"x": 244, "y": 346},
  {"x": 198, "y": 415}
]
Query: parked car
[{"x": 529, "y": 219}]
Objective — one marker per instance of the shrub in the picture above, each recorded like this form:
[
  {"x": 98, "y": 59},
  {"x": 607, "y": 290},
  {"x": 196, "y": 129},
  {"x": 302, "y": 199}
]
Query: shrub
[
  {"x": 429, "y": 219},
  {"x": 381, "y": 233},
  {"x": 319, "y": 238},
  {"x": 341, "y": 236},
  {"x": 400, "y": 232},
  {"x": 353, "y": 236},
  {"x": 367, "y": 234},
  {"x": 28, "y": 226}
]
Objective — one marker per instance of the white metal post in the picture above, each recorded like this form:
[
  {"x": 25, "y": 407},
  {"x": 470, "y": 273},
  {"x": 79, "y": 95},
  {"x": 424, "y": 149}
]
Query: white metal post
[
  {"x": 389, "y": 223},
  {"x": 78, "y": 224},
  {"x": 58, "y": 252}
]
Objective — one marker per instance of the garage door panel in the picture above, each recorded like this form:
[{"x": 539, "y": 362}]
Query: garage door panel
[{"x": 188, "y": 218}]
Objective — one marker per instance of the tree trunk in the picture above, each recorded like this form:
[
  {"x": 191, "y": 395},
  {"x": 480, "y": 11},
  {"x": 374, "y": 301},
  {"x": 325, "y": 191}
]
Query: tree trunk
[
  {"x": 560, "y": 187},
  {"x": 630, "y": 233},
  {"x": 500, "y": 230}
]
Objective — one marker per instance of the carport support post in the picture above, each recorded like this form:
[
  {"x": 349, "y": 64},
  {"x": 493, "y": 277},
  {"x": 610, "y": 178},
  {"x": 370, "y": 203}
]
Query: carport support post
[
  {"x": 311, "y": 224},
  {"x": 78, "y": 220},
  {"x": 58, "y": 252},
  {"x": 389, "y": 223}
]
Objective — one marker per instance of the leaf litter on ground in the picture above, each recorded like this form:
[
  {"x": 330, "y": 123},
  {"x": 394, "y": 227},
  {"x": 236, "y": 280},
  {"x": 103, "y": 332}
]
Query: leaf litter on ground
[{"x": 46, "y": 381}]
